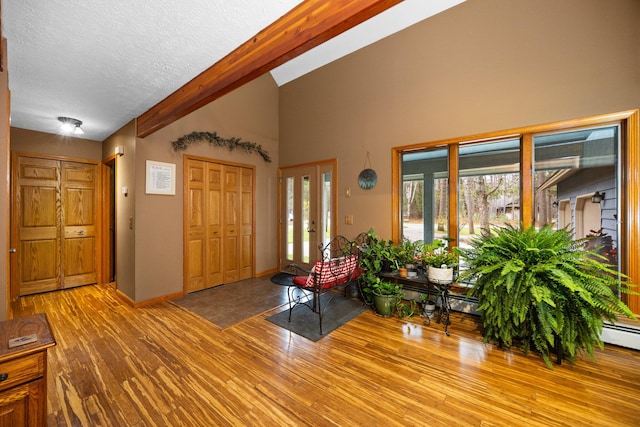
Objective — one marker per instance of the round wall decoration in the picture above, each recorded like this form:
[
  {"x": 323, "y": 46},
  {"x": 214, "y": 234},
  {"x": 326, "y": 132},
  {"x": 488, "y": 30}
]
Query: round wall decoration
[{"x": 368, "y": 177}]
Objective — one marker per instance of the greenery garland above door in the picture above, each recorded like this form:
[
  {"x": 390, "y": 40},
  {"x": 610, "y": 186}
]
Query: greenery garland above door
[{"x": 183, "y": 143}]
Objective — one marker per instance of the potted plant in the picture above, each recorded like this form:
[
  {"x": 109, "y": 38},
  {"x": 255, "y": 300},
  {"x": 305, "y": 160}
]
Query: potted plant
[
  {"x": 428, "y": 306},
  {"x": 440, "y": 261},
  {"x": 373, "y": 255},
  {"x": 382, "y": 295},
  {"x": 542, "y": 290},
  {"x": 406, "y": 256},
  {"x": 386, "y": 296}
]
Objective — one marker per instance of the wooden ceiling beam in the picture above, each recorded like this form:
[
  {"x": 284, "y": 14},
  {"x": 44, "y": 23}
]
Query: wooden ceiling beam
[{"x": 304, "y": 27}]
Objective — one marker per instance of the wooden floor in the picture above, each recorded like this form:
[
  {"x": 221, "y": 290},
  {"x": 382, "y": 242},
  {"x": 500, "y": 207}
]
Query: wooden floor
[{"x": 163, "y": 366}]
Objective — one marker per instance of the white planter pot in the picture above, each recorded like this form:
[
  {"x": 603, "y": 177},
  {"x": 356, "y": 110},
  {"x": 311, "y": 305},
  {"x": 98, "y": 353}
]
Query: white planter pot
[
  {"x": 429, "y": 310},
  {"x": 440, "y": 276}
]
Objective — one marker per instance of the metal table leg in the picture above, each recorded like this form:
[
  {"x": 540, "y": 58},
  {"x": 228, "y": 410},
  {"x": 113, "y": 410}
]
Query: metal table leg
[{"x": 445, "y": 307}]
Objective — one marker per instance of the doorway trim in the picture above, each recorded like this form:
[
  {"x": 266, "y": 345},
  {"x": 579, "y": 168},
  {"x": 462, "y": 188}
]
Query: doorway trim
[{"x": 108, "y": 220}]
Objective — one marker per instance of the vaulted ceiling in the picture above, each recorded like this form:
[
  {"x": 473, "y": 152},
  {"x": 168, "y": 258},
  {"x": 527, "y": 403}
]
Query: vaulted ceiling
[{"x": 106, "y": 62}]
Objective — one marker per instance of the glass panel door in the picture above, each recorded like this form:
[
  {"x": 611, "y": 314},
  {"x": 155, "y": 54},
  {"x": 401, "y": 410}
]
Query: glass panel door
[
  {"x": 307, "y": 204},
  {"x": 325, "y": 225},
  {"x": 288, "y": 225}
]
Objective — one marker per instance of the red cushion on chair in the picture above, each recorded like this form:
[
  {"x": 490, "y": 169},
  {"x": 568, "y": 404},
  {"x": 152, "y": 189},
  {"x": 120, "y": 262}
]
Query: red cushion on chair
[
  {"x": 333, "y": 272},
  {"x": 299, "y": 280}
]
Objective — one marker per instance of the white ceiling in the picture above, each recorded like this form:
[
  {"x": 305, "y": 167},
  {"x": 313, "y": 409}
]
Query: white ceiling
[{"x": 105, "y": 62}]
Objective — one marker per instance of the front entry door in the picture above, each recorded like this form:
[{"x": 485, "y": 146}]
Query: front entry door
[{"x": 307, "y": 212}]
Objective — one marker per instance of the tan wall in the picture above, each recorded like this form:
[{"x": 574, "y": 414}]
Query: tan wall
[
  {"x": 29, "y": 141},
  {"x": 4, "y": 186},
  {"x": 124, "y": 205},
  {"x": 250, "y": 113},
  {"x": 149, "y": 257},
  {"x": 484, "y": 65}
]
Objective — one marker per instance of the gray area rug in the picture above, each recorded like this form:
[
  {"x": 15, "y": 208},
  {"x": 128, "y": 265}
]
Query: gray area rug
[
  {"x": 305, "y": 322},
  {"x": 228, "y": 304}
]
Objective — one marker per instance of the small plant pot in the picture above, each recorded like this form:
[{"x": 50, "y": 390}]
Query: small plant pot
[
  {"x": 429, "y": 310},
  {"x": 385, "y": 304},
  {"x": 402, "y": 272}
]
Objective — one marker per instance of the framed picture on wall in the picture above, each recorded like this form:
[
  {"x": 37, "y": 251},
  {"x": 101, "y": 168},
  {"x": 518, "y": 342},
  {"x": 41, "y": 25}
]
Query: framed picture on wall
[{"x": 161, "y": 178}]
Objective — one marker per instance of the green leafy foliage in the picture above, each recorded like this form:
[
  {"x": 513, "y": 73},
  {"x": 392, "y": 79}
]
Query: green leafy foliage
[
  {"x": 408, "y": 309},
  {"x": 384, "y": 287},
  {"x": 215, "y": 140},
  {"x": 437, "y": 254},
  {"x": 372, "y": 255},
  {"x": 535, "y": 285},
  {"x": 406, "y": 252}
]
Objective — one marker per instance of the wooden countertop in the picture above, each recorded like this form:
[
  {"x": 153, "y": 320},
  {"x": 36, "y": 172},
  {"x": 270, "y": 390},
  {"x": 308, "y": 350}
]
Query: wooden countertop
[{"x": 22, "y": 326}]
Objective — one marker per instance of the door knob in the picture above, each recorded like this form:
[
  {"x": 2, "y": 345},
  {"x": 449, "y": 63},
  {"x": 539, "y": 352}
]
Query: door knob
[{"x": 12, "y": 250}]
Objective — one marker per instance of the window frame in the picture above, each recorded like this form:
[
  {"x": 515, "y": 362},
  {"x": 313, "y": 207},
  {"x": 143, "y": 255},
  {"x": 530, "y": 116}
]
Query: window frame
[{"x": 630, "y": 173}]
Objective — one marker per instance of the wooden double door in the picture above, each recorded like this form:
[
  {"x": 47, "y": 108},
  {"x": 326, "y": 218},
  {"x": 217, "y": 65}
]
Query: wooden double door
[
  {"x": 54, "y": 224},
  {"x": 219, "y": 223}
]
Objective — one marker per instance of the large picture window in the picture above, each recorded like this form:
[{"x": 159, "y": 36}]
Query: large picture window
[
  {"x": 575, "y": 175},
  {"x": 581, "y": 175},
  {"x": 488, "y": 187}
]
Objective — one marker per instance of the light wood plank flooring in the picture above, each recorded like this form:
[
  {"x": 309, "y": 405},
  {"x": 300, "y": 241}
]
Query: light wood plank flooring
[{"x": 163, "y": 366}]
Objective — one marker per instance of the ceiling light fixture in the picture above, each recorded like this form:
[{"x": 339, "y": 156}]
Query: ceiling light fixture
[{"x": 70, "y": 125}]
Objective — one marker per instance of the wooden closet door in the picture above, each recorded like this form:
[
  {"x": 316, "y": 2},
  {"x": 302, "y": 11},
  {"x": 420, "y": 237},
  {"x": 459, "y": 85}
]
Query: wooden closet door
[
  {"x": 195, "y": 226},
  {"x": 79, "y": 221},
  {"x": 204, "y": 225},
  {"x": 231, "y": 224},
  {"x": 246, "y": 224},
  {"x": 219, "y": 217},
  {"x": 36, "y": 226},
  {"x": 54, "y": 224},
  {"x": 214, "y": 225}
]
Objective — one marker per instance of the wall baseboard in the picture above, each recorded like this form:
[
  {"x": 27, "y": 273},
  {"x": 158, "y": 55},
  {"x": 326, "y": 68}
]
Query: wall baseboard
[
  {"x": 137, "y": 304},
  {"x": 621, "y": 335}
]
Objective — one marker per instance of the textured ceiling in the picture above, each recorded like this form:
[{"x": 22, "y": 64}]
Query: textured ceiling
[{"x": 107, "y": 61}]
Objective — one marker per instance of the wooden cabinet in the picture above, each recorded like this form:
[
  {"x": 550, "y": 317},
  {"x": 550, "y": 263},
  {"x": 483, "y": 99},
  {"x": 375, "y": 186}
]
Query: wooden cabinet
[
  {"x": 23, "y": 372},
  {"x": 219, "y": 223}
]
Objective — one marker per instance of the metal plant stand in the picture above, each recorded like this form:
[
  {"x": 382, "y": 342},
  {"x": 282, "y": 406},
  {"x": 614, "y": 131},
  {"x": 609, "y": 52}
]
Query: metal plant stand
[
  {"x": 441, "y": 288},
  {"x": 445, "y": 306}
]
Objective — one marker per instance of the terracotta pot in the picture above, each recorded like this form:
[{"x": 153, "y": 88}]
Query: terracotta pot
[{"x": 402, "y": 272}]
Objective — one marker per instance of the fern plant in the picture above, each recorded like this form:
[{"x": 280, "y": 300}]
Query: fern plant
[{"x": 534, "y": 286}]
